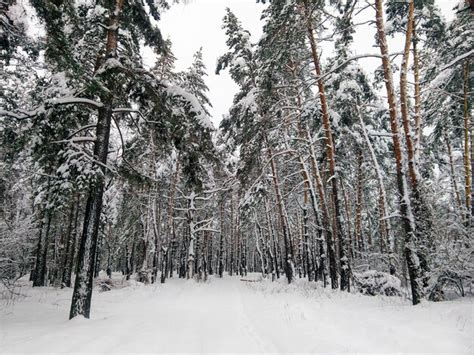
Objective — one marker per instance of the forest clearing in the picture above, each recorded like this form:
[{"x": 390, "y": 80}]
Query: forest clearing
[{"x": 228, "y": 315}]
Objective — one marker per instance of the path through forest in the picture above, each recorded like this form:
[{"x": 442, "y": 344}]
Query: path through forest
[{"x": 228, "y": 315}]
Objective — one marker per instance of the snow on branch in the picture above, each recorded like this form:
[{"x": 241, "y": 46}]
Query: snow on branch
[
  {"x": 74, "y": 101},
  {"x": 458, "y": 59},
  {"x": 51, "y": 102}
]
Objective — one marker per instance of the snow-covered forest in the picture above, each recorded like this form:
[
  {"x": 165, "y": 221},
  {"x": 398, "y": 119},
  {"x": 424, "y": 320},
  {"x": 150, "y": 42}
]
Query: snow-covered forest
[{"x": 331, "y": 209}]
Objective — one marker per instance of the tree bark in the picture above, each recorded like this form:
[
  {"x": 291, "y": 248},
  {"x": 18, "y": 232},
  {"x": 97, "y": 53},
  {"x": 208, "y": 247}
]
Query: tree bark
[
  {"x": 385, "y": 224},
  {"x": 289, "y": 261},
  {"x": 192, "y": 237},
  {"x": 70, "y": 238},
  {"x": 358, "y": 223},
  {"x": 330, "y": 152},
  {"x": 467, "y": 152},
  {"x": 457, "y": 195},
  {"x": 82, "y": 295},
  {"x": 405, "y": 208},
  {"x": 170, "y": 223},
  {"x": 221, "y": 243},
  {"x": 42, "y": 253},
  {"x": 416, "y": 73},
  {"x": 404, "y": 98}
]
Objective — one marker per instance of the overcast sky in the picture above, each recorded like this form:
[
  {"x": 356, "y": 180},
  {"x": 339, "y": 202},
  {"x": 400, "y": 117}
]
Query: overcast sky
[{"x": 198, "y": 24}]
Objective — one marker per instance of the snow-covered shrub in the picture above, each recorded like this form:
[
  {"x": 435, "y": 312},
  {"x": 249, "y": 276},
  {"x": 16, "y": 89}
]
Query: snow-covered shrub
[
  {"x": 446, "y": 280},
  {"x": 105, "y": 285},
  {"x": 17, "y": 231},
  {"x": 373, "y": 283},
  {"x": 144, "y": 276}
]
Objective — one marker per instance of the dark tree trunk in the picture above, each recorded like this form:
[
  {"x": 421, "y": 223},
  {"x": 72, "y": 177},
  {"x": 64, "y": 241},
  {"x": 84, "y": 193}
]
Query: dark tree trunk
[
  {"x": 69, "y": 245},
  {"x": 289, "y": 258},
  {"x": 81, "y": 299},
  {"x": 72, "y": 257},
  {"x": 39, "y": 247},
  {"x": 82, "y": 295},
  {"x": 221, "y": 244},
  {"x": 42, "y": 255}
]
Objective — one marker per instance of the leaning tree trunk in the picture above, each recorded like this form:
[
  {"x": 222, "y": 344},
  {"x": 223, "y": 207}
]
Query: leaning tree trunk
[
  {"x": 405, "y": 208},
  {"x": 457, "y": 195},
  {"x": 81, "y": 299},
  {"x": 330, "y": 247},
  {"x": 304, "y": 135},
  {"x": 330, "y": 152},
  {"x": 82, "y": 295},
  {"x": 421, "y": 212},
  {"x": 289, "y": 263},
  {"x": 385, "y": 224}
]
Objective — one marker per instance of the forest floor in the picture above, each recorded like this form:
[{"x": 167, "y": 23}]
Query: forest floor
[{"x": 229, "y": 315}]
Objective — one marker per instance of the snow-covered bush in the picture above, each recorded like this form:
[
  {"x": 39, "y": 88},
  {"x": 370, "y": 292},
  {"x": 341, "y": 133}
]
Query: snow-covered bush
[
  {"x": 144, "y": 276},
  {"x": 373, "y": 283},
  {"x": 448, "y": 280},
  {"x": 17, "y": 225}
]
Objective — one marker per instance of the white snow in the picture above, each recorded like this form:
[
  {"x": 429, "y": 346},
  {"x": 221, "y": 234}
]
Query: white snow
[
  {"x": 196, "y": 107},
  {"x": 22, "y": 13},
  {"x": 249, "y": 102},
  {"x": 75, "y": 100},
  {"x": 229, "y": 315}
]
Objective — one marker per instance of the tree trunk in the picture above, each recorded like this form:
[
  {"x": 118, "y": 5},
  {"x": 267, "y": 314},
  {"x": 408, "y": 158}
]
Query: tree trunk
[
  {"x": 192, "y": 237},
  {"x": 272, "y": 241},
  {"x": 385, "y": 223},
  {"x": 82, "y": 295},
  {"x": 416, "y": 73},
  {"x": 457, "y": 195},
  {"x": 467, "y": 152},
  {"x": 404, "y": 99},
  {"x": 289, "y": 261},
  {"x": 42, "y": 254},
  {"x": 358, "y": 223},
  {"x": 69, "y": 243},
  {"x": 170, "y": 223},
  {"x": 81, "y": 299},
  {"x": 405, "y": 208},
  {"x": 221, "y": 243},
  {"x": 330, "y": 153},
  {"x": 232, "y": 230}
]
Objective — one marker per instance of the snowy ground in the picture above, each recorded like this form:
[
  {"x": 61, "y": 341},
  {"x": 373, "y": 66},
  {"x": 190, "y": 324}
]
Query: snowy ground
[{"x": 228, "y": 315}]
